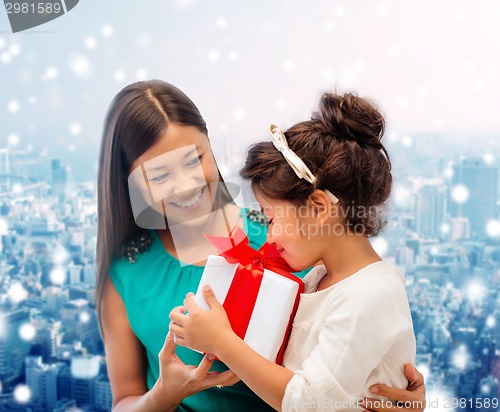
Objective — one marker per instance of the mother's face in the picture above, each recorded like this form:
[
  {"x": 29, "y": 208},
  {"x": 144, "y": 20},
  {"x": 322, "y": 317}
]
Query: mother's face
[{"x": 177, "y": 177}]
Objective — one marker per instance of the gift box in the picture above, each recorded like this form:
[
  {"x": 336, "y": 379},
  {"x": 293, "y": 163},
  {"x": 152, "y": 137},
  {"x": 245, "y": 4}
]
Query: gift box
[{"x": 257, "y": 290}]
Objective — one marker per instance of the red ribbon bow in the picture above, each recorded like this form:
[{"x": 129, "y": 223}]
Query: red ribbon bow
[{"x": 242, "y": 294}]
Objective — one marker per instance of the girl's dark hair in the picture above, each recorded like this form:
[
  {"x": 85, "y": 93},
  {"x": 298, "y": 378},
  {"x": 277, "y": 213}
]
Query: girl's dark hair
[
  {"x": 139, "y": 114},
  {"x": 341, "y": 145}
]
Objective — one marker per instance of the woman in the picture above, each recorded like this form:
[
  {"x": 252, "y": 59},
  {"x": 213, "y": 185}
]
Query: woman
[{"x": 154, "y": 136}]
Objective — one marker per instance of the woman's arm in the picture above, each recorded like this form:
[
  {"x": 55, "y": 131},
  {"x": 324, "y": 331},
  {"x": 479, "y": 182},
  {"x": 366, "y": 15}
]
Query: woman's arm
[
  {"x": 411, "y": 400},
  {"x": 126, "y": 363}
]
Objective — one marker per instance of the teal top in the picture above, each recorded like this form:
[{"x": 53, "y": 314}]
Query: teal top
[{"x": 150, "y": 288}]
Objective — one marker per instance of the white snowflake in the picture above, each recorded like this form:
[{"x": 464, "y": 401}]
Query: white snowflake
[
  {"x": 394, "y": 50},
  {"x": 475, "y": 291},
  {"x": 493, "y": 228},
  {"x": 60, "y": 255},
  {"x": 233, "y": 56},
  {"x": 460, "y": 194},
  {"x": 383, "y": 10},
  {"x": 422, "y": 92},
  {"x": 27, "y": 332},
  {"x": 22, "y": 394},
  {"x": 403, "y": 102},
  {"x": 107, "y": 30},
  {"x": 238, "y": 114},
  {"x": 340, "y": 11},
  {"x": 119, "y": 75},
  {"x": 75, "y": 129},
  {"x": 58, "y": 275},
  {"x": 407, "y": 140},
  {"x": 17, "y": 293},
  {"x": 213, "y": 56},
  {"x": 17, "y": 188},
  {"x": 13, "y": 106},
  {"x": 488, "y": 158},
  {"x": 6, "y": 57},
  {"x": 15, "y": 49},
  {"x": 438, "y": 123},
  {"x": 90, "y": 42},
  {"x": 141, "y": 74},
  {"x": 329, "y": 25},
  {"x": 287, "y": 66},
  {"x": 461, "y": 358},
  {"x": 221, "y": 23},
  {"x": 13, "y": 139},
  {"x": 50, "y": 74},
  {"x": 80, "y": 65},
  {"x": 84, "y": 317}
]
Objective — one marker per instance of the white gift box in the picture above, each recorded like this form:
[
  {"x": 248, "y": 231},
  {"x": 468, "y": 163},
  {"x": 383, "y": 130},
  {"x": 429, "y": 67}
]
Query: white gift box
[{"x": 275, "y": 302}]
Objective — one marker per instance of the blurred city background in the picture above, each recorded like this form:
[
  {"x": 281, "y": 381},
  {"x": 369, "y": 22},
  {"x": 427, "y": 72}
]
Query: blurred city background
[{"x": 432, "y": 67}]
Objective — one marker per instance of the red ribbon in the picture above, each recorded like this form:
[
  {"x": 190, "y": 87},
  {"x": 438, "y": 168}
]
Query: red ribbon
[{"x": 242, "y": 294}]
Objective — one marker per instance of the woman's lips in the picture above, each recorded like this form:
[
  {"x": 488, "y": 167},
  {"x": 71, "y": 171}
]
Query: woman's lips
[{"x": 190, "y": 202}]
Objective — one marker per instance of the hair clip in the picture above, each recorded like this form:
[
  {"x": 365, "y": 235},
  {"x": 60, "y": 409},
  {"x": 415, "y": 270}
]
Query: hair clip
[{"x": 295, "y": 162}]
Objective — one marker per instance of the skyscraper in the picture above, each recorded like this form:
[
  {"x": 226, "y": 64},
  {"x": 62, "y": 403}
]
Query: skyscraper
[
  {"x": 59, "y": 178},
  {"x": 13, "y": 349},
  {"x": 42, "y": 380},
  {"x": 477, "y": 195},
  {"x": 430, "y": 210}
]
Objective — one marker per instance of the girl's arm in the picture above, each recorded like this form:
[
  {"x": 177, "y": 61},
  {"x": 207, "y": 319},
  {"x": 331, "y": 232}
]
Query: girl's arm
[
  {"x": 209, "y": 331},
  {"x": 337, "y": 368}
]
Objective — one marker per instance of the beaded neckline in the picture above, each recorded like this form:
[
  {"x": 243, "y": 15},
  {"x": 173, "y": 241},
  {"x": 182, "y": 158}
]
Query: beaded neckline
[{"x": 137, "y": 246}]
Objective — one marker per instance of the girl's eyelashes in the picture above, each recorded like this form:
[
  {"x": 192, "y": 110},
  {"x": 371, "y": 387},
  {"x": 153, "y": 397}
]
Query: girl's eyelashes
[{"x": 269, "y": 222}]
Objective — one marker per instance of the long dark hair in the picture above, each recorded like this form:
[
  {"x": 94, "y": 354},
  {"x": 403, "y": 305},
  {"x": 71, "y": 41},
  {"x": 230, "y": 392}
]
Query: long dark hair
[{"x": 139, "y": 114}]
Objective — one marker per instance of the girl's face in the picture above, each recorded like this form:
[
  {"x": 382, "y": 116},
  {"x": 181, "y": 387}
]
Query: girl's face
[
  {"x": 178, "y": 176},
  {"x": 289, "y": 229}
]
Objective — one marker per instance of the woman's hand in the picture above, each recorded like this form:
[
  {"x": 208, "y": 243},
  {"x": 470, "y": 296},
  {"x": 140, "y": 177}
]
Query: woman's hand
[
  {"x": 400, "y": 400},
  {"x": 185, "y": 380},
  {"x": 200, "y": 329}
]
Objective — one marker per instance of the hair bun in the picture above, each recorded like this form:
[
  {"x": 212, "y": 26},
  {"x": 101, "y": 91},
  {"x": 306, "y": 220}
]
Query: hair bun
[{"x": 352, "y": 118}]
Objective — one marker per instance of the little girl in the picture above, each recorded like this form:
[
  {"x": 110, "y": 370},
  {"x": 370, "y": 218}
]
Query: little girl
[{"x": 320, "y": 184}]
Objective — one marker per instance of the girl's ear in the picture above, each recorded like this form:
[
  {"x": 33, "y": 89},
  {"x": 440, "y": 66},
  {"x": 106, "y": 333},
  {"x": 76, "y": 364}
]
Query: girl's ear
[{"x": 321, "y": 205}]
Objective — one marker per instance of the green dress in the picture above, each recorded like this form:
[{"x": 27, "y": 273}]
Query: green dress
[{"x": 150, "y": 288}]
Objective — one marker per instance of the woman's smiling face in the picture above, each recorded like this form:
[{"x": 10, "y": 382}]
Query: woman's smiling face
[{"x": 178, "y": 175}]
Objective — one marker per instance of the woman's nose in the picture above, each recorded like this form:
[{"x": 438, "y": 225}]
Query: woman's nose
[{"x": 182, "y": 182}]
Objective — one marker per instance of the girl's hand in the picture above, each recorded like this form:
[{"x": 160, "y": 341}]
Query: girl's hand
[
  {"x": 184, "y": 380},
  {"x": 410, "y": 400},
  {"x": 200, "y": 329}
]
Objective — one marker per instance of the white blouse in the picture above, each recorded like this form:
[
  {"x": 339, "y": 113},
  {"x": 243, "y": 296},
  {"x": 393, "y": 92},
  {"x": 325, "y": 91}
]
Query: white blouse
[{"x": 347, "y": 337}]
